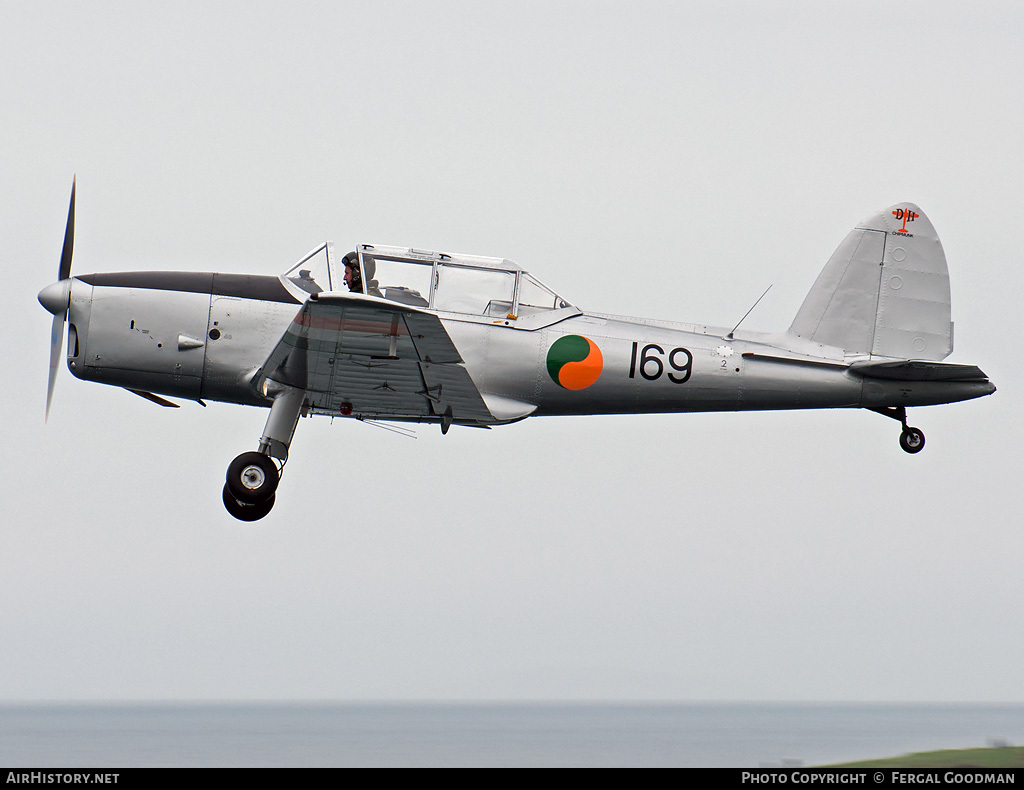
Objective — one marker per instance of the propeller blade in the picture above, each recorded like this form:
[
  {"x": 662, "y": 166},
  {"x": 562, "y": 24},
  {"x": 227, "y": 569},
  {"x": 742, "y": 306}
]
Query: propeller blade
[
  {"x": 56, "y": 341},
  {"x": 57, "y": 297},
  {"x": 69, "y": 237}
]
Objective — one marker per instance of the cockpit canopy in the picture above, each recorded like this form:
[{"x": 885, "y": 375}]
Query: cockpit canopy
[
  {"x": 313, "y": 271},
  {"x": 471, "y": 285}
]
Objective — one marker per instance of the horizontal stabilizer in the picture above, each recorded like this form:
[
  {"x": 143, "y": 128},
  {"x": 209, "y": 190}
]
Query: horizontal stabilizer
[{"x": 910, "y": 370}]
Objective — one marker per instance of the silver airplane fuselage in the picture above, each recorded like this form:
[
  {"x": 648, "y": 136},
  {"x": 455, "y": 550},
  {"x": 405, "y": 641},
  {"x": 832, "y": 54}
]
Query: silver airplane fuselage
[{"x": 204, "y": 336}]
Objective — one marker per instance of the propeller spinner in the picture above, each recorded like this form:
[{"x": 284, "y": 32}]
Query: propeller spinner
[{"x": 57, "y": 296}]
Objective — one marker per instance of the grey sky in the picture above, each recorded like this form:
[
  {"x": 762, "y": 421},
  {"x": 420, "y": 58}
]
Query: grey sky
[{"x": 662, "y": 159}]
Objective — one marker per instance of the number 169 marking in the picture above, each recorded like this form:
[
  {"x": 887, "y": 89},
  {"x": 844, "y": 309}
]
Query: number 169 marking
[{"x": 651, "y": 365}]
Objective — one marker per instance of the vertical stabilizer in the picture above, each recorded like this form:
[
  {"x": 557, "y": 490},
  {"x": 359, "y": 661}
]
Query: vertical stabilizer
[{"x": 884, "y": 291}]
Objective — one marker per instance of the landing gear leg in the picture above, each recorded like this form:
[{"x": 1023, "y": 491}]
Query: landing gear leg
[
  {"x": 252, "y": 478},
  {"x": 911, "y": 439}
]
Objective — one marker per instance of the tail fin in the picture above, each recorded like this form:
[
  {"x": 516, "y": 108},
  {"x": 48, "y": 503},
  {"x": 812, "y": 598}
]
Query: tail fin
[{"x": 884, "y": 291}]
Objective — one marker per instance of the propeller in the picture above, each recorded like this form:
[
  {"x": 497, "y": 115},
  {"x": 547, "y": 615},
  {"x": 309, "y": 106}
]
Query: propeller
[{"x": 56, "y": 298}]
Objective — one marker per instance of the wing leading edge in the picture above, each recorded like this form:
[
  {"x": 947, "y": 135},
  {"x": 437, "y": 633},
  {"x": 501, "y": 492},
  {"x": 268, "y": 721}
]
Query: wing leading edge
[{"x": 364, "y": 357}]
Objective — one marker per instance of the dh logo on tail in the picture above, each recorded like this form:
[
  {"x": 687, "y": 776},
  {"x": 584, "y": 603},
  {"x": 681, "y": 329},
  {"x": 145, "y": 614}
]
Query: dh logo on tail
[{"x": 906, "y": 215}]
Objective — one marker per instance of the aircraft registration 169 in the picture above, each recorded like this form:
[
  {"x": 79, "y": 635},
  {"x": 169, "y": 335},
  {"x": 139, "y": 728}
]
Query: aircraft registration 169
[{"x": 399, "y": 334}]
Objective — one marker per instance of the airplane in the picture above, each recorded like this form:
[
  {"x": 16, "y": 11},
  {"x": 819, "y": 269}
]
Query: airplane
[{"x": 399, "y": 334}]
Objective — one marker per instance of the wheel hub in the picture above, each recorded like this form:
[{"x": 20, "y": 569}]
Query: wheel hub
[{"x": 253, "y": 477}]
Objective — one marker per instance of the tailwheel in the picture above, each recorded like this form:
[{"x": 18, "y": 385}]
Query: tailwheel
[
  {"x": 247, "y": 512},
  {"x": 912, "y": 439},
  {"x": 252, "y": 478}
]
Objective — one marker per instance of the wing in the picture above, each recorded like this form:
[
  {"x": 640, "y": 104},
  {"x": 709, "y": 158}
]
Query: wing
[{"x": 366, "y": 357}]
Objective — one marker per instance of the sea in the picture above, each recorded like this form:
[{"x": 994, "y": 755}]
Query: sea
[{"x": 489, "y": 734}]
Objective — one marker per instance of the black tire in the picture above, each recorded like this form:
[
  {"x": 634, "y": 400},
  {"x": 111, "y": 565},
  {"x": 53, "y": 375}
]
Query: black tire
[
  {"x": 244, "y": 512},
  {"x": 252, "y": 478},
  {"x": 912, "y": 440}
]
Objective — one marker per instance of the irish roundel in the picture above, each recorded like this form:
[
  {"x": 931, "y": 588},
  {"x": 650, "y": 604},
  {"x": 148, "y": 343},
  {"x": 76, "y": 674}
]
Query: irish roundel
[{"x": 574, "y": 362}]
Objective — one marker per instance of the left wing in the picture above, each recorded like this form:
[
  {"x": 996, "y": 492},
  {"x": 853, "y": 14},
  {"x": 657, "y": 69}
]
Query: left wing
[{"x": 367, "y": 357}]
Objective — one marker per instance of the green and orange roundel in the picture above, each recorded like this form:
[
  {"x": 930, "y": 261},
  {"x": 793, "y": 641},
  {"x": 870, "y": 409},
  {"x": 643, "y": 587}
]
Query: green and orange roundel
[{"x": 574, "y": 362}]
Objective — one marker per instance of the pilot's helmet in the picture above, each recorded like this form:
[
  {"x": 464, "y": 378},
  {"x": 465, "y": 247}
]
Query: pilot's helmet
[{"x": 355, "y": 281}]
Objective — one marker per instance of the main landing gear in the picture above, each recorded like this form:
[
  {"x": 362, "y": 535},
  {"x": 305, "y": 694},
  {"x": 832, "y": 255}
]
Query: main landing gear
[
  {"x": 911, "y": 439},
  {"x": 250, "y": 488},
  {"x": 247, "y": 511}
]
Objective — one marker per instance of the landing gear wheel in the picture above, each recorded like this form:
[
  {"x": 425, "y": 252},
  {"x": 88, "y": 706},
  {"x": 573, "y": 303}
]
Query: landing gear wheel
[
  {"x": 245, "y": 512},
  {"x": 912, "y": 440},
  {"x": 252, "y": 478}
]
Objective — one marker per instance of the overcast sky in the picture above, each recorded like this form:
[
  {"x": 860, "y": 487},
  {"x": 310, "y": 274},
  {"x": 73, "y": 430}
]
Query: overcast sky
[{"x": 665, "y": 159}]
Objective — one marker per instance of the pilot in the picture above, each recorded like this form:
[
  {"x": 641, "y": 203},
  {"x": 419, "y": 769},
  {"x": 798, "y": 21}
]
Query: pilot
[{"x": 354, "y": 280}]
